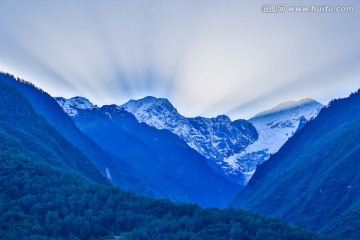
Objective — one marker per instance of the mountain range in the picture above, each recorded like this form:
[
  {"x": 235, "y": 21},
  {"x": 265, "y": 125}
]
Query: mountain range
[
  {"x": 233, "y": 148},
  {"x": 60, "y": 159},
  {"x": 51, "y": 190},
  {"x": 165, "y": 165},
  {"x": 133, "y": 161}
]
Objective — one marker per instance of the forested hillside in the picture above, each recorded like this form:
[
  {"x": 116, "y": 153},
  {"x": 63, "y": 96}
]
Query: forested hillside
[
  {"x": 47, "y": 107},
  {"x": 28, "y": 134}
]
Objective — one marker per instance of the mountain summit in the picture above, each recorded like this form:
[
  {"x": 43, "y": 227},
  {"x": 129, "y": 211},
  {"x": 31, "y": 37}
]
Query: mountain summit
[
  {"x": 274, "y": 127},
  {"x": 278, "y": 124},
  {"x": 70, "y": 105},
  {"x": 292, "y": 105},
  {"x": 156, "y": 112}
]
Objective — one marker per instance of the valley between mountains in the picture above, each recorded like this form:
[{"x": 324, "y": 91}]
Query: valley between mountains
[{"x": 75, "y": 170}]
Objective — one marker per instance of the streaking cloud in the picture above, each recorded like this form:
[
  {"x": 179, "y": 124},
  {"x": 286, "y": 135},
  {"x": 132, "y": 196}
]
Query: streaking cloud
[{"x": 208, "y": 57}]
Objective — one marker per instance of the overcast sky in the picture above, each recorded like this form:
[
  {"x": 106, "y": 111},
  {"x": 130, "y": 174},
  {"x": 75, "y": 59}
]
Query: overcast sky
[{"x": 206, "y": 57}]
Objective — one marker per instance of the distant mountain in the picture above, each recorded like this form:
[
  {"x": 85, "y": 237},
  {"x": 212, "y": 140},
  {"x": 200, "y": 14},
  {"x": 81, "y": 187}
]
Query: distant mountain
[
  {"x": 50, "y": 190},
  {"x": 232, "y": 148},
  {"x": 308, "y": 106},
  {"x": 164, "y": 163},
  {"x": 214, "y": 138},
  {"x": 274, "y": 128},
  {"x": 314, "y": 179}
]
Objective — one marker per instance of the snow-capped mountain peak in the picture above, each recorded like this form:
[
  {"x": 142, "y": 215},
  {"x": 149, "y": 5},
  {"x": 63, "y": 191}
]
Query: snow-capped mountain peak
[
  {"x": 148, "y": 103},
  {"x": 289, "y": 105},
  {"x": 156, "y": 112},
  {"x": 71, "y": 105},
  {"x": 275, "y": 127}
]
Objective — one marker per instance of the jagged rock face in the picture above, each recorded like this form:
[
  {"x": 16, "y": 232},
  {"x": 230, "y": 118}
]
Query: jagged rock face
[
  {"x": 235, "y": 147},
  {"x": 215, "y": 138}
]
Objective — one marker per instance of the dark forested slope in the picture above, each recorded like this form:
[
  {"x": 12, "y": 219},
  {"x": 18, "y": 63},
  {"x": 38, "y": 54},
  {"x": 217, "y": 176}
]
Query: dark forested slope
[
  {"x": 47, "y": 107},
  {"x": 21, "y": 129}
]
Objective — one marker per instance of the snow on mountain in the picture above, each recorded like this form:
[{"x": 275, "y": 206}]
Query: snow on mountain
[
  {"x": 71, "y": 105},
  {"x": 233, "y": 148},
  {"x": 156, "y": 112},
  {"x": 278, "y": 124},
  {"x": 215, "y": 138},
  {"x": 161, "y": 163},
  {"x": 274, "y": 127},
  {"x": 308, "y": 106}
]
